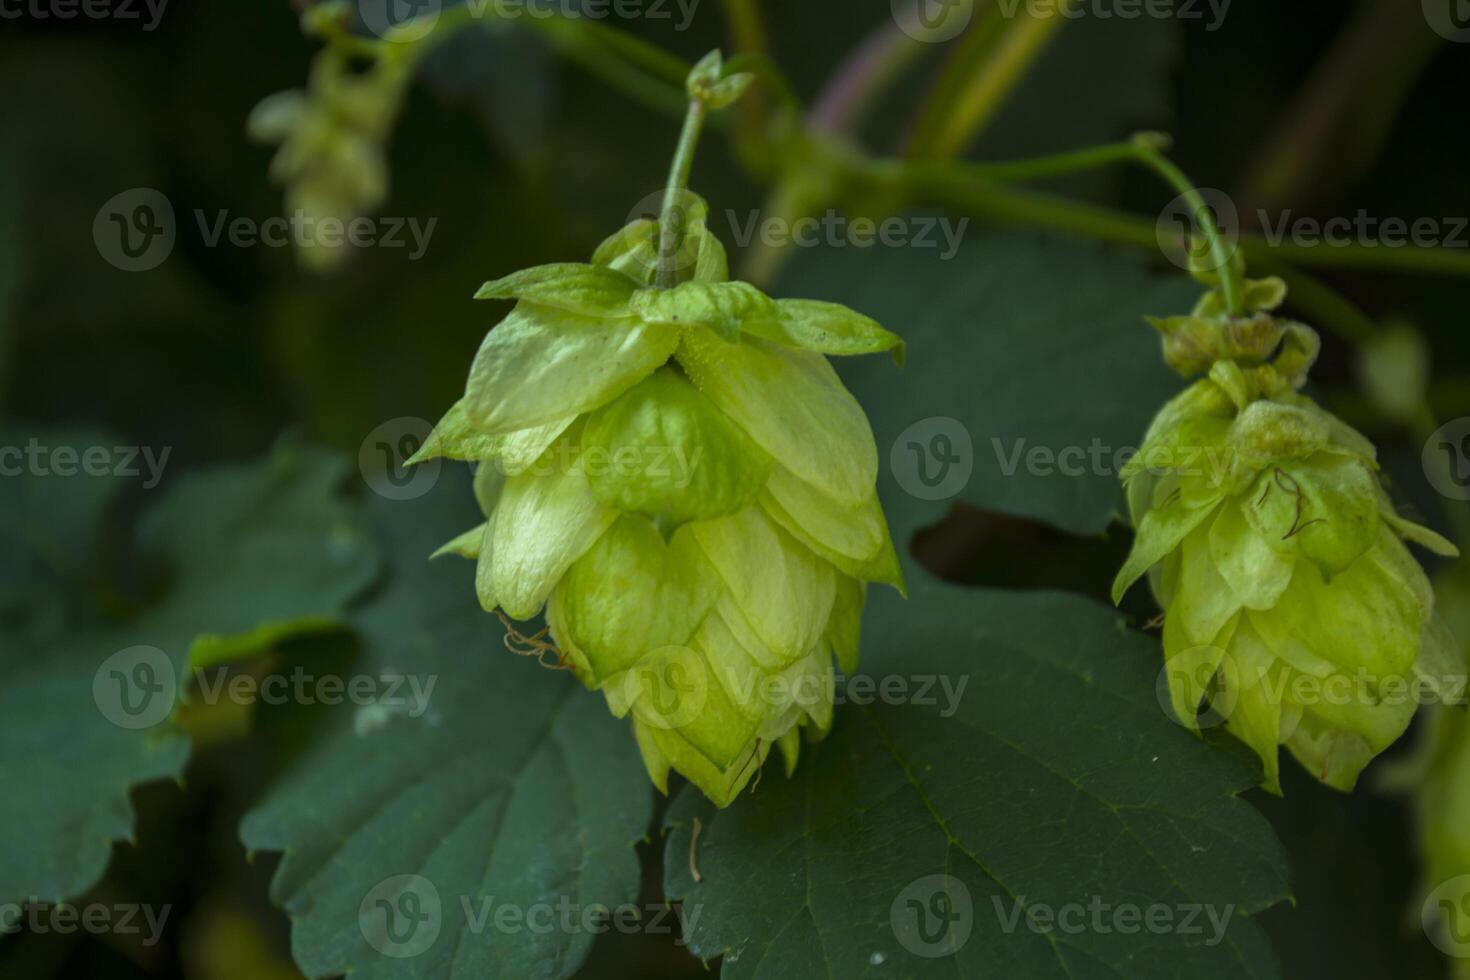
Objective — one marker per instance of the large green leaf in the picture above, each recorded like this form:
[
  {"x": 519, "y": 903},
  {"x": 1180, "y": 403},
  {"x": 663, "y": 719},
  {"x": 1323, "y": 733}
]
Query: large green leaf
[
  {"x": 51, "y": 526},
  {"x": 407, "y": 828},
  {"x": 75, "y": 766},
  {"x": 1030, "y": 345},
  {"x": 1056, "y": 783},
  {"x": 68, "y": 769},
  {"x": 260, "y": 551},
  {"x": 251, "y": 554}
]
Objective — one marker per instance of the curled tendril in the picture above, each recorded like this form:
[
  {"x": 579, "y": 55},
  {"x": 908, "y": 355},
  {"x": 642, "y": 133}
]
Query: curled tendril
[{"x": 536, "y": 645}]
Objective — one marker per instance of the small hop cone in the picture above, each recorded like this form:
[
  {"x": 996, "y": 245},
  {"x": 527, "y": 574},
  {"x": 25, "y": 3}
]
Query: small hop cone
[
  {"x": 332, "y": 158},
  {"x": 1290, "y": 599},
  {"x": 680, "y": 480}
]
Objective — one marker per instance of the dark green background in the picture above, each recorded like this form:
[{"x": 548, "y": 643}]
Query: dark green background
[{"x": 523, "y": 159}]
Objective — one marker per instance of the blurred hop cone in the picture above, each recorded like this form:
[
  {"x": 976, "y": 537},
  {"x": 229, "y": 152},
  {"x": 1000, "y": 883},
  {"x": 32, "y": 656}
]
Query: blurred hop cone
[{"x": 332, "y": 158}]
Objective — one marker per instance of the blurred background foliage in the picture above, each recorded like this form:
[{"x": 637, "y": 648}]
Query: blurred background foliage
[{"x": 1322, "y": 107}]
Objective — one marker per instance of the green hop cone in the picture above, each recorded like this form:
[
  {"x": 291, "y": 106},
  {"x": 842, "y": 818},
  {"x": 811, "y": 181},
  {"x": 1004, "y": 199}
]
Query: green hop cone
[
  {"x": 332, "y": 158},
  {"x": 680, "y": 480},
  {"x": 1290, "y": 599}
]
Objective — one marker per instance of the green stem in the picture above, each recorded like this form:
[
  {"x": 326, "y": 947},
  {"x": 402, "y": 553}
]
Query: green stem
[
  {"x": 747, "y": 26},
  {"x": 669, "y": 229},
  {"x": 748, "y": 29},
  {"x": 1409, "y": 258},
  {"x": 1040, "y": 168},
  {"x": 998, "y": 75},
  {"x": 971, "y": 187},
  {"x": 643, "y": 71},
  {"x": 986, "y": 198},
  {"x": 1232, "y": 283},
  {"x": 977, "y": 182},
  {"x": 973, "y": 50}
]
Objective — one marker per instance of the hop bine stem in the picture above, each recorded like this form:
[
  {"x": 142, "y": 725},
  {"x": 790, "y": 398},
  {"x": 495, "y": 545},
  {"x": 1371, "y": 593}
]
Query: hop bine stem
[
  {"x": 670, "y": 227},
  {"x": 1147, "y": 151},
  {"x": 711, "y": 86},
  {"x": 974, "y": 183}
]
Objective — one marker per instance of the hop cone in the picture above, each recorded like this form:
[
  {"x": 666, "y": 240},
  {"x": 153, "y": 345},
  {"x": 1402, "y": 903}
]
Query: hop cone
[
  {"x": 678, "y": 477},
  {"x": 332, "y": 159},
  {"x": 1290, "y": 598}
]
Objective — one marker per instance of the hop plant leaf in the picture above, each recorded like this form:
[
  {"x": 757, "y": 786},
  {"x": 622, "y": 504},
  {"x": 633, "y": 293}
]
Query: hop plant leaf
[
  {"x": 1290, "y": 598},
  {"x": 677, "y": 478}
]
